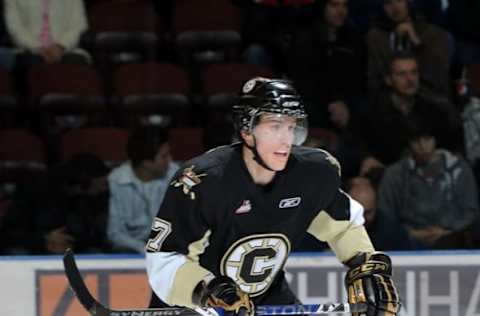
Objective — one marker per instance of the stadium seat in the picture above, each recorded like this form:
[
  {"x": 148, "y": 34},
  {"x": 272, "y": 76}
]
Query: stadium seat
[
  {"x": 144, "y": 90},
  {"x": 7, "y": 97},
  {"x": 124, "y": 31},
  {"x": 61, "y": 90},
  {"x": 186, "y": 142},
  {"x": 208, "y": 30},
  {"x": 8, "y": 103},
  {"x": 66, "y": 88},
  {"x": 18, "y": 146},
  {"x": 107, "y": 143},
  {"x": 222, "y": 82},
  {"x": 22, "y": 156}
]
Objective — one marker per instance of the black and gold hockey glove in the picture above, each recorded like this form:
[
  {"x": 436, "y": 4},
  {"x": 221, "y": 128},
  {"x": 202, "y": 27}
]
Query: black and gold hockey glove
[
  {"x": 223, "y": 292},
  {"x": 369, "y": 282}
]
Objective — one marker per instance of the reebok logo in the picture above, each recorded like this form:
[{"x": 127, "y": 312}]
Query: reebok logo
[{"x": 290, "y": 202}]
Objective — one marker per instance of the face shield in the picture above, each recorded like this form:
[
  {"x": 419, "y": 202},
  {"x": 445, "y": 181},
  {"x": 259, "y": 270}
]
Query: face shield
[{"x": 291, "y": 128}]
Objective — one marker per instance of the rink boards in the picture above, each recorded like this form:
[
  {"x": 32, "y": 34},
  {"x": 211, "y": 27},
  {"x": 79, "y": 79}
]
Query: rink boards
[{"x": 430, "y": 283}]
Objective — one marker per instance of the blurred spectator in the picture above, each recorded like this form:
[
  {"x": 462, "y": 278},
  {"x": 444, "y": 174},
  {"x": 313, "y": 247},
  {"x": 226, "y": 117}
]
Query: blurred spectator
[
  {"x": 435, "y": 11},
  {"x": 77, "y": 216},
  {"x": 48, "y": 30},
  {"x": 269, "y": 27},
  {"x": 385, "y": 233},
  {"x": 45, "y": 31},
  {"x": 362, "y": 13},
  {"x": 67, "y": 210},
  {"x": 400, "y": 99},
  {"x": 137, "y": 188},
  {"x": 7, "y": 54},
  {"x": 431, "y": 192},
  {"x": 7, "y": 58},
  {"x": 471, "y": 128},
  {"x": 14, "y": 227},
  {"x": 327, "y": 63},
  {"x": 348, "y": 152},
  {"x": 464, "y": 22},
  {"x": 400, "y": 29}
]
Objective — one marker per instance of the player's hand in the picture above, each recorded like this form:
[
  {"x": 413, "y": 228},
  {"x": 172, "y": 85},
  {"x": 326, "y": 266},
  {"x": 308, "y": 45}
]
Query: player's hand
[
  {"x": 369, "y": 282},
  {"x": 223, "y": 292}
]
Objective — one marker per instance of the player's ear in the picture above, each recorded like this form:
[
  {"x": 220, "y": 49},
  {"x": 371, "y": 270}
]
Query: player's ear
[{"x": 247, "y": 137}]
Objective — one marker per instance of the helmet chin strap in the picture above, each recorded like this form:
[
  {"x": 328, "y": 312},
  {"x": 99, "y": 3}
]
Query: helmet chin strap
[{"x": 256, "y": 155}]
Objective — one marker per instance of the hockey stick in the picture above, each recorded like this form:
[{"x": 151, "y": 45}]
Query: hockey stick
[{"x": 95, "y": 308}]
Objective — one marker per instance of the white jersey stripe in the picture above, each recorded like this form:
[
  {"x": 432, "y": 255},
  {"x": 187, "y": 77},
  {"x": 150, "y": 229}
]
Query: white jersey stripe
[{"x": 163, "y": 266}]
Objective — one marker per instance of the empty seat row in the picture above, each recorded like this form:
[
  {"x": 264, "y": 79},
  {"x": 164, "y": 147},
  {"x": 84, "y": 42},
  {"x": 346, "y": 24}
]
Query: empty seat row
[
  {"x": 81, "y": 85},
  {"x": 130, "y": 30}
]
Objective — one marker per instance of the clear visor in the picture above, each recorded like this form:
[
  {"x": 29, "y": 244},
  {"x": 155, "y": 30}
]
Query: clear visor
[{"x": 280, "y": 127}]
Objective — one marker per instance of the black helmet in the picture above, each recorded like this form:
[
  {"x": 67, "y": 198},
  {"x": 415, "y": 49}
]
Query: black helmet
[{"x": 260, "y": 95}]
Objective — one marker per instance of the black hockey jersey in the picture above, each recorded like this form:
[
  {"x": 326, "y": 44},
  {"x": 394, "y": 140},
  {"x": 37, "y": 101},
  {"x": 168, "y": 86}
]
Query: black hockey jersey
[{"x": 214, "y": 218}]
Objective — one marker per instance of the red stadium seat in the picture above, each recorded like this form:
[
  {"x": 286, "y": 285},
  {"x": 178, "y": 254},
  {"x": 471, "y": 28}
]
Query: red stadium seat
[
  {"x": 9, "y": 108},
  {"x": 107, "y": 143},
  {"x": 222, "y": 82},
  {"x": 59, "y": 90},
  {"x": 152, "y": 89},
  {"x": 66, "y": 88},
  {"x": 124, "y": 31},
  {"x": 7, "y": 98},
  {"x": 22, "y": 156},
  {"x": 186, "y": 142},
  {"x": 206, "y": 30},
  {"x": 21, "y": 146}
]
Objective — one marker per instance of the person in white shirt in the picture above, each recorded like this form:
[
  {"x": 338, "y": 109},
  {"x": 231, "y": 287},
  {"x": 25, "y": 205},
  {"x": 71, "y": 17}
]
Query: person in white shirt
[
  {"x": 137, "y": 188},
  {"x": 48, "y": 29}
]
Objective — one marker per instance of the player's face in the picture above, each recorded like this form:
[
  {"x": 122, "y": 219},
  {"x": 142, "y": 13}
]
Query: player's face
[
  {"x": 274, "y": 135},
  {"x": 159, "y": 166},
  {"x": 396, "y": 10},
  {"x": 336, "y": 12}
]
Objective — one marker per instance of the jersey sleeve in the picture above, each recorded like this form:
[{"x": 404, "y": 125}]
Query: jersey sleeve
[
  {"x": 340, "y": 220},
  {"x": 180, "y": 234}
]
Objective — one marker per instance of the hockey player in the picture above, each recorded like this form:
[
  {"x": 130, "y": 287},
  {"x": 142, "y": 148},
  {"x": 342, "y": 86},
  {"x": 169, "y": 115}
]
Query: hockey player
[{"x": 232, "y": 215}]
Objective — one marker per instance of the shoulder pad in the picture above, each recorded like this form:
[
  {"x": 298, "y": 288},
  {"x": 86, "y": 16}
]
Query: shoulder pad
[{"x": 194, "y": 171}]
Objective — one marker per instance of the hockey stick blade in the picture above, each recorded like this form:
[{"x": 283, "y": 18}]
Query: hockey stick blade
[{"x": 95, "y": 308}]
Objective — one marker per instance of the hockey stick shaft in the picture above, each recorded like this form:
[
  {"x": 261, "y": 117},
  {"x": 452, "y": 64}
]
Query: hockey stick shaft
[{"x": 95, "y": 308}]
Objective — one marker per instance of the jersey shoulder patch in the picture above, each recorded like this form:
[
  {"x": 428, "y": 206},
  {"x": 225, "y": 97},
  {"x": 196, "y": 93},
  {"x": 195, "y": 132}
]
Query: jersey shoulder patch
[
  {"x": 204, "y": 168},
  {"x": 187, "y": 180}
]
